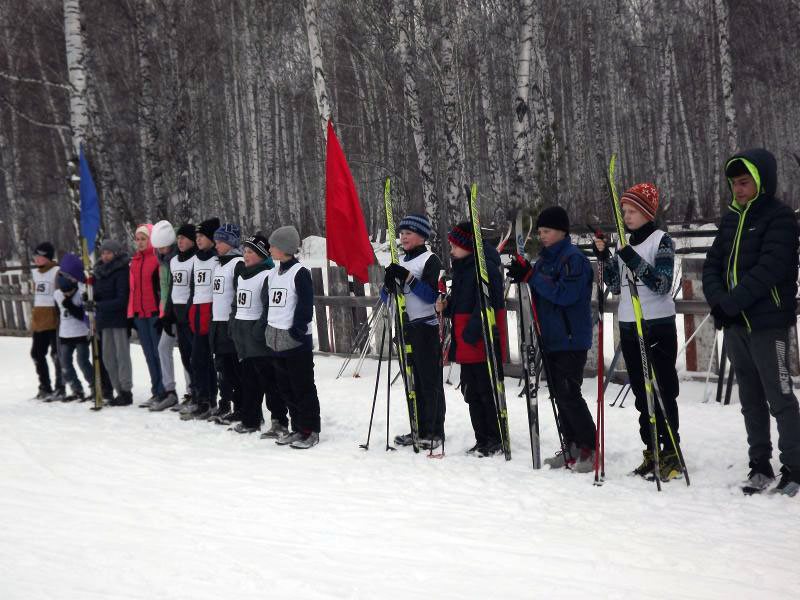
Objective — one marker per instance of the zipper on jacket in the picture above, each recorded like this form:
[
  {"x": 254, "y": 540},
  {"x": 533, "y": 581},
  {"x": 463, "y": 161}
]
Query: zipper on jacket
[{"x": 734, "y": 256}]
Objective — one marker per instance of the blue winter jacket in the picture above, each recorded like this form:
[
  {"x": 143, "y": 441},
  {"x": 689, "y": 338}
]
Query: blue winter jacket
[
  {"x": 562, "y": 288},
  {"x": 111, "y": 288}
]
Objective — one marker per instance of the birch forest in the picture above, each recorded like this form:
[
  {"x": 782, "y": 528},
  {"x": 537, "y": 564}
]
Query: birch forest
[{"x": 195, "y": 108}]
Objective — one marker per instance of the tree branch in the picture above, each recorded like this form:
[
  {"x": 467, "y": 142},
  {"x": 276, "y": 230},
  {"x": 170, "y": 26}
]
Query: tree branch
[
  {"x": 10, "y": 77},
  {"x": 30, "y": 119}
]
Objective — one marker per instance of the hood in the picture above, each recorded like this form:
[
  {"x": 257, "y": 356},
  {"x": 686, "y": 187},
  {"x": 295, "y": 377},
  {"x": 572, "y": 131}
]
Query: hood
[
  {"x": 165, "y": 258},
  {"x": 119, "y": 262},
  {"x": 72, "y": 265},
  {"x": 763, "y": 167}
]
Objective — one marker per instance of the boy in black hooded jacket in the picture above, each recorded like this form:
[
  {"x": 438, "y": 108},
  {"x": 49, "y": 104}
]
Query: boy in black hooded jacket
[{"x": 750, "y": 282}]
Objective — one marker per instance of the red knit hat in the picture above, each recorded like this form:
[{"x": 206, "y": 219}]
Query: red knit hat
[{"x": 644, "y": 198}]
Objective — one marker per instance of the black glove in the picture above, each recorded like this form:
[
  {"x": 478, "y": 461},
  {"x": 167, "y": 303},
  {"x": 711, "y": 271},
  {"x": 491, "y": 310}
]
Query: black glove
[
  {"x": 604, "y": 255},
  {"x": 520, "y": 270},
  {"x": 89, "y": 305},
  {"x": 728, "y": 306},
  {"x": 390, "y": 283},
  {"x": 721, "y": 320},
  {"x": 399, "y": 272},
  {"x": 628, "y": 255},
  {"x": 297, "y": 333}
]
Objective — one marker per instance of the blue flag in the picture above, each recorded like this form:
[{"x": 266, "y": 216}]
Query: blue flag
[{"x": 90, "y": 205}]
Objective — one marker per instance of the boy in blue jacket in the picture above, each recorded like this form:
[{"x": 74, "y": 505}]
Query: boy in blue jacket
[{"x": 561, "y": 284}]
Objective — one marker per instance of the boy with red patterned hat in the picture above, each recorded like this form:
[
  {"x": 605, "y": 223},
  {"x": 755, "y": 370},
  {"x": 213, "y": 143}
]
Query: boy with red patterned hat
[{"x": 650, "y": 257}]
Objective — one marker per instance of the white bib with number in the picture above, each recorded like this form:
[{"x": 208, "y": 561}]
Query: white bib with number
[
  {"x": 283, "y": 297},
  {"x": 222, "y": 289},
  {"x": 248, "y": 296},
  {"x": 181, "y": 273},
  {"x": 203, "y": 274}
]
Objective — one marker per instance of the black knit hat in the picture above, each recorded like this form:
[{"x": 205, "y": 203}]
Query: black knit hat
[
  {"x": 208, "y": 227},
  {"x": 45, "y": 249},
  {"x": 257, "y": 243},
  {"x": 553, "y": 217},
  {"x": 187, "y": 230}
]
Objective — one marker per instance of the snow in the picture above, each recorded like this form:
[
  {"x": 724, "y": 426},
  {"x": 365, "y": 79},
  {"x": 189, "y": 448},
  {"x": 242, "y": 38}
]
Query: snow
[{"x": 124, "y": 503}]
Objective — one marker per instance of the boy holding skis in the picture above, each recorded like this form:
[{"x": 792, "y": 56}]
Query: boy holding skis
[
  {"x": 650, "y": 258},
  {"x": 467, "y": 346},
  {"x": 44, "y": 319},
  {"x": 289, "y": 341},
  {"x": 561, "y": 285},
  {"x": 750, "y": 282},
  {"x": 417, "y": 277}
]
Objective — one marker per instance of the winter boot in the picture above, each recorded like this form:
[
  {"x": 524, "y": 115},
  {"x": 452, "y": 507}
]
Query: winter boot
[
  {"x": 759, "y": 478},
  {"x": 187, "y": 398},
  {"x": 123, "y": 399},
  {"x": 404, "y": 440},
  {"x": 151, "y": 401},
  {"x": 307, "y": 441},
  {"x": 789, "y": 484},
  {"x": 584, "y": 462},
  {"x": 670, "y": 466},
  {"x": 205, "y": 411},
  {"x": 169, "y": 400},
  {"x": 645, "y": 469},
  {"x": 188, "y": 408},
  {"x": 231, "y": 417},
  {"x": 242, "y": 428},
  {"x": 491, "y": 448},
  {"x": 223, "y": 409},
  {"x": 474, "y": 450},
  {"x": 289, "y": 437},
  {"x": 275, "y": 431},
  {"x": 43, "y": 393},
  {"x": 430, "y": 442},
  {"x": 559, "y": 461}
]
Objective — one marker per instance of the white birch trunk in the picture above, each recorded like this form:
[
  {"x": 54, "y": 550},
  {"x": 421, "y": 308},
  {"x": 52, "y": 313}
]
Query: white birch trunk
[
  {"x": 250, "y": 109},
  {"x": 694, "y": 191},
  {"x": 662, "y": 171},
  {"x": 487, "y": 105},
  {"x": 520, "y": 125},
  {"x": 403, "y": 14},
  {"x": 713, "y": 128},
  {"x": 454, "y": 146},
  {"x": 726, "y": 73},
  {"x": 315, "y": 52}
]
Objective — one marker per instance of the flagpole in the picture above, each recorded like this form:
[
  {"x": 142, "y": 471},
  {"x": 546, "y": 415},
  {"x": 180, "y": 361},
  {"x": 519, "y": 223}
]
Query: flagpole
[{"x": 74, "y": 188}]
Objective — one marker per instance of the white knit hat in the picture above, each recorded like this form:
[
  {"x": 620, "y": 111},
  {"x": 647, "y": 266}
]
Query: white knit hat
[{"x": 163, "y": 235}]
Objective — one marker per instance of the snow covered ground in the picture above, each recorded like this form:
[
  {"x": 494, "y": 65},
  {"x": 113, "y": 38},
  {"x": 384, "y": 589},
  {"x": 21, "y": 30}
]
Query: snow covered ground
[{"x": 129, "y": 504}]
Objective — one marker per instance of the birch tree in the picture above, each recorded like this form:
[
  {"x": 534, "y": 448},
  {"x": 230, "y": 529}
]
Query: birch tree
[{"x": 726, "y": 73}]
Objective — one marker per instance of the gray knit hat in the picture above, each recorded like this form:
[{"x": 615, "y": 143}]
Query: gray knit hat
[
  {"x": 112, "y": 246},
  {"x": 285, "y": 239}
]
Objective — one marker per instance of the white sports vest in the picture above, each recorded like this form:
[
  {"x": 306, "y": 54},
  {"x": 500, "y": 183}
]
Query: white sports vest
[
  {"x": 283, "y": 297},
  {"x": 203, "y": 274},
  {"x": 44, "y": 284},
  {"x": 248, "y": 296},
  {"x": 181, "y": 272},
  {"x": 415, "y": 306},
  {"x": 222, "y": 289},
  {"x": 69, "y": 326},
  {"x": 654, "y": 306}
]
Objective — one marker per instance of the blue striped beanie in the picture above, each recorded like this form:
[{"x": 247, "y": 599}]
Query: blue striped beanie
[
  {"x": 229, "y": 233},
  {"x": 416, "y": 223}
]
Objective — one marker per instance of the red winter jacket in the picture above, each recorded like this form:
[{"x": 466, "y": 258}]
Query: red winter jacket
[{"x": 144, "y": 285}]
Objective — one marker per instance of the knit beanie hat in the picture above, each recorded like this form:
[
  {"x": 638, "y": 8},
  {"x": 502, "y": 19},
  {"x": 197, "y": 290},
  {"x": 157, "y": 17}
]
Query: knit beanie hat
[
  {"x": 553, "y": 217},
  {"x": 643, "y": 197},
  {"x": 112, "y": 246},
  {"x": 208, "y": 227},
  {"x": 461, "y": 235},
  {"x": 45, "y": 249},
  {"x": 72, "y": 266},
  {"x": 230, "y": 234},
  {"x": 163, "y": 235},
  {"x": 286, "y": 239},
  {"x": 144, "y": 228},
  {"x": 417, "y": 223},
  {"x": 187, "y": 230},
  {"x": 257, "y": 243}
]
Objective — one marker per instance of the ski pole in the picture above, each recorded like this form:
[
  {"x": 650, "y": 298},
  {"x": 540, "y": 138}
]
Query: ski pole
[
  {"x": 599, "y": 441},
  {"x": 711, "y": 356},
  {"x": 388, "y": 325},
  {"x": 375, "y": 394}
]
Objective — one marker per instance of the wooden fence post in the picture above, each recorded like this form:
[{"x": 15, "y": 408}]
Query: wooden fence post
[
  {"x": 320, "y": 310},
  {"x": 341, "y": 317},
  {"x": 699, "y": 349}
]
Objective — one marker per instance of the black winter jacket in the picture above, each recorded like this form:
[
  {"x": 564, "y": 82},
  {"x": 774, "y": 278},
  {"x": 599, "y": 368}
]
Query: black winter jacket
[
  {"x": 111, "y": 288},
  {"x": 752, "y": 265}
]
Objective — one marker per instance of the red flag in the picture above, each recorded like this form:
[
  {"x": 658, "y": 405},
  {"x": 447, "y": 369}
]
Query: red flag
[{"x": 347, "y": 239}]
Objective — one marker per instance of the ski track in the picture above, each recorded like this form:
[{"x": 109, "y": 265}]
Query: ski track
[{"x": 129, "y": 504}]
